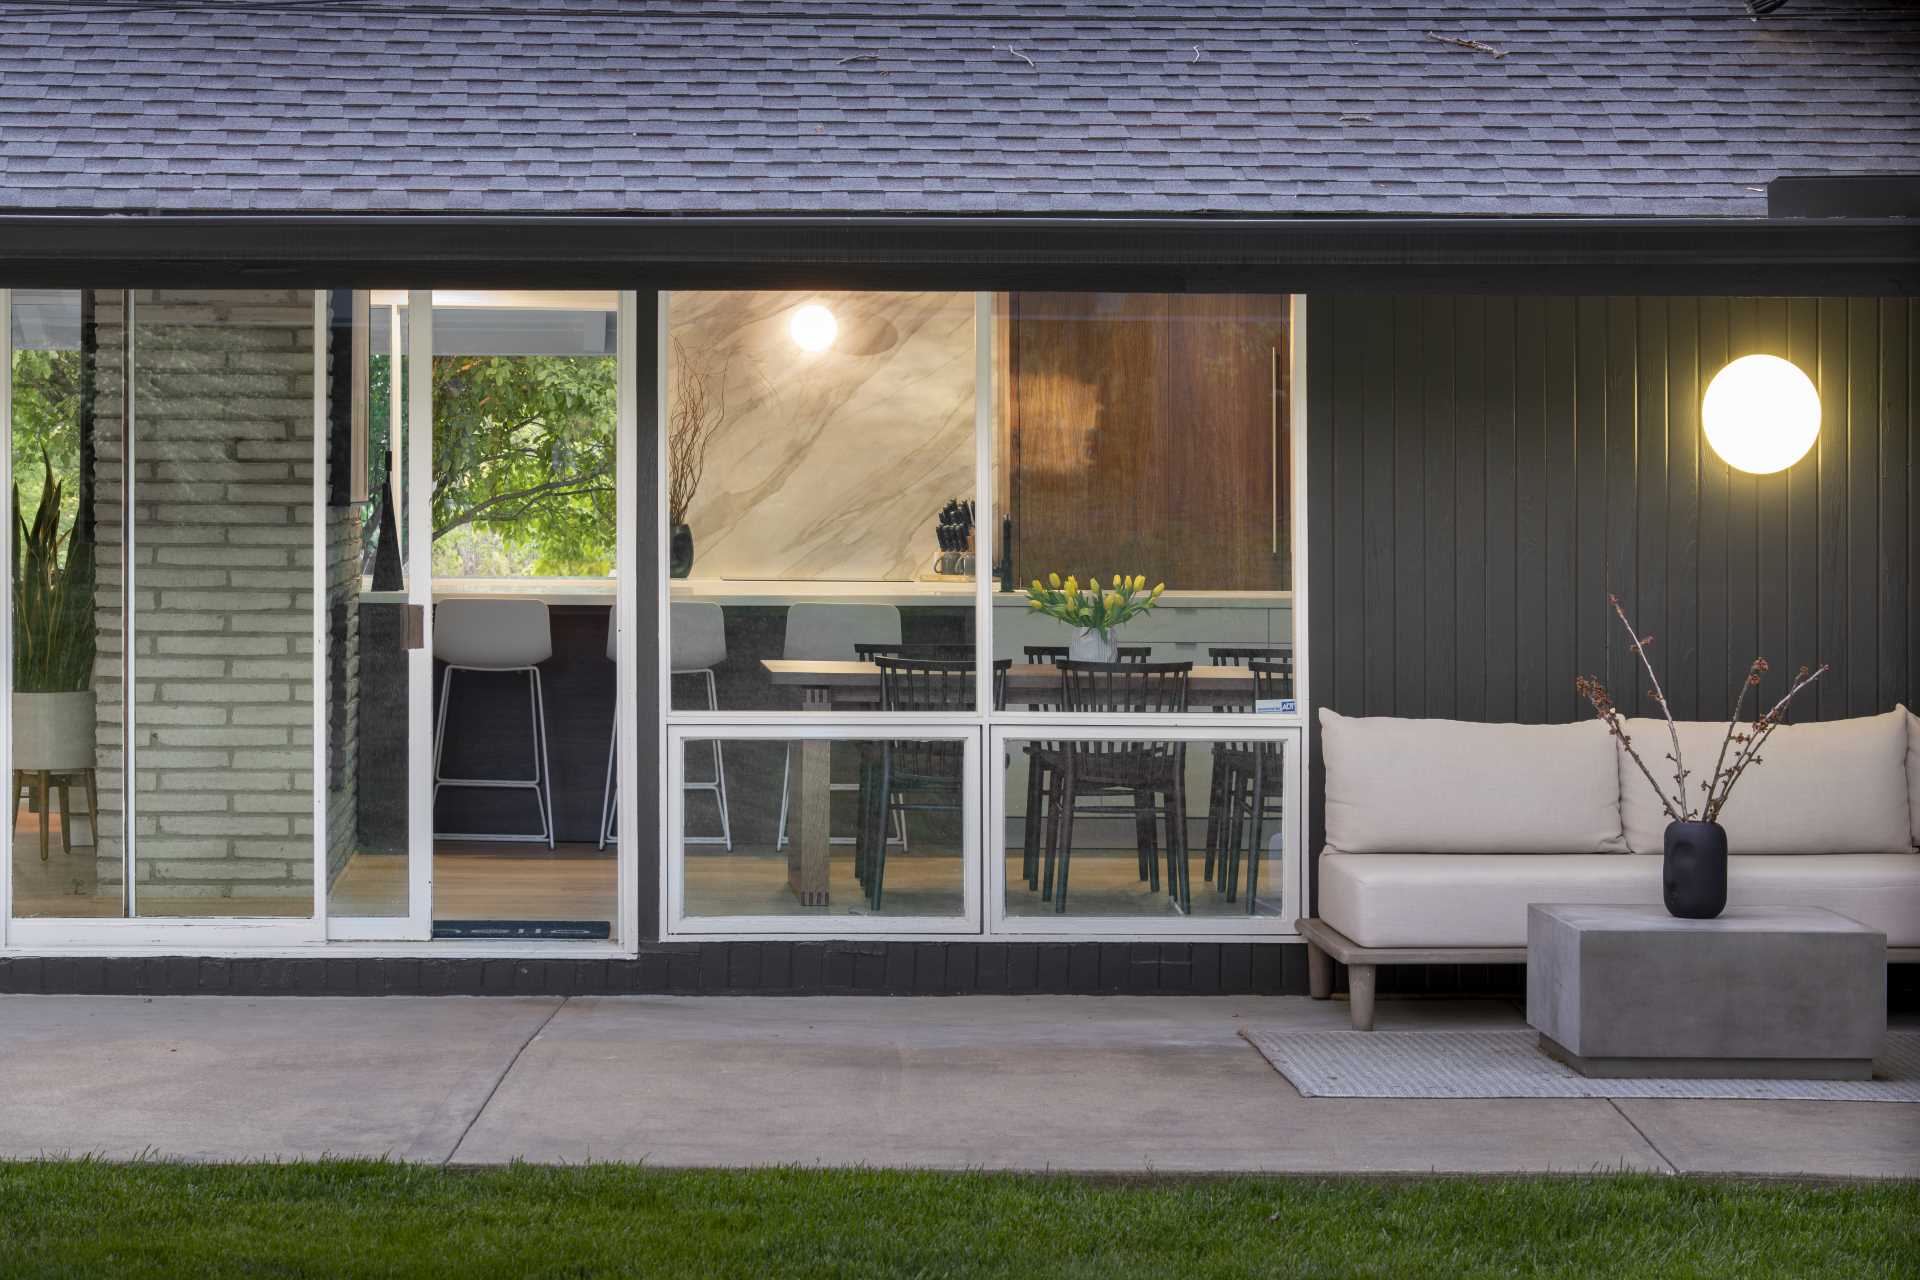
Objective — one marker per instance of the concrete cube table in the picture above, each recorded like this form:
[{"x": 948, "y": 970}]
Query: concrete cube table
[{"x": 1789, "y": 992}]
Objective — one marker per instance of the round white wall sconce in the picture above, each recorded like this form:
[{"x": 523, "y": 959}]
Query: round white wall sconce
[
  {"x": 813, "y": 328},
  {"x": 1761, "y": 414}
]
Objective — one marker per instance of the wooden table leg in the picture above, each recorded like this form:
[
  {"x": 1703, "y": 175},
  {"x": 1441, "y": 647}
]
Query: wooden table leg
[
  {"x": 809, "y": 850},
  {"x": 45, "y": 800}
]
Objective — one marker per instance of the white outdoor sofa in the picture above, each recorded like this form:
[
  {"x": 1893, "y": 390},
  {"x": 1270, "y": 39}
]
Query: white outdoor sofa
[{"x": 1440, "y": 832}]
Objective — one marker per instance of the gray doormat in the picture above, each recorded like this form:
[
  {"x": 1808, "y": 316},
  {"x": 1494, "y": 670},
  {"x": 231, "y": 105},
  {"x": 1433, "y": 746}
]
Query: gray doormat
[{"x": 1509, "y": 1064}]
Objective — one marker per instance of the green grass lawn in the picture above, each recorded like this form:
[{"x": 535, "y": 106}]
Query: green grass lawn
[{"x": 372, "y": 1219}]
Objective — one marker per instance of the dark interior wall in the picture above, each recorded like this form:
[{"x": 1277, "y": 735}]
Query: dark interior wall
[{"x": 1484, "y": 471}]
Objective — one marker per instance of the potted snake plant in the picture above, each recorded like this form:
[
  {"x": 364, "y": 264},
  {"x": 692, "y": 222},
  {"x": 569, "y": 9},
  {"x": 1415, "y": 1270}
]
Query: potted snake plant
[{"x": 53, "y": 638}]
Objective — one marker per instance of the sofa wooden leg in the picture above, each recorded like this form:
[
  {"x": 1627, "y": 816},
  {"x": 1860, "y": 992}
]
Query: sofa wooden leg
[
  {"x": 1319, "y": 973},
  {"x": 1360, "y": 995}
]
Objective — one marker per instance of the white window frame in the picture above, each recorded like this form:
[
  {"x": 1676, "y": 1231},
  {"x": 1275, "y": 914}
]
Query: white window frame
[
  {"x": 801, "y": 924},
  {"x": 992, "y": 726},
  {"x": 1238, "y": 927}
]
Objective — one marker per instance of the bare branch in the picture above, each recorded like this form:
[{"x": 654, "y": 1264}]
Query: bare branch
[
  {"x": 1763, "y": 729},
  {"x": 1660, "y": 696},
  {"x": 1719, "y": 765},
  {"x": 1596, "y": 693}
]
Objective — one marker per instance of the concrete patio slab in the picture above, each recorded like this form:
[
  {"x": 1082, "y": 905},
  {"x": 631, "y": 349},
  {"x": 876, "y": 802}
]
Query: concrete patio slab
[
  {"x": 1083, "y": 1084},
  {"x": 1829, "y": 1139},
  {"x": 1095, "y": 1084},
  {"x": 219, "y": 1078}
]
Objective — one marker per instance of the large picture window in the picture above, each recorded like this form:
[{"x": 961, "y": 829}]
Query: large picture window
[{"x": 1048, "y": 541}]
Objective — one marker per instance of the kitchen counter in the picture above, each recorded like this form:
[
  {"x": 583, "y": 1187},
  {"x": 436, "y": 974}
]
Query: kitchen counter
[{"x": 774, "y": 593}]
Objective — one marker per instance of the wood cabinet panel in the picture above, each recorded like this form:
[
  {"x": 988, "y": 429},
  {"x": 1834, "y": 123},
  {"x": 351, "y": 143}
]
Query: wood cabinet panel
[{"x": 1141, "y": 432}]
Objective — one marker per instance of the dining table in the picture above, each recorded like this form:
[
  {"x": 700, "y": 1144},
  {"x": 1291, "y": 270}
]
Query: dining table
[{"x": 847, "y": 685}]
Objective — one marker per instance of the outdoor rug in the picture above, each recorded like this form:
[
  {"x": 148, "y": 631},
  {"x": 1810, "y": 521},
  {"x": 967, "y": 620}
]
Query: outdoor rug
[{"x": 1509, "y": 1064}]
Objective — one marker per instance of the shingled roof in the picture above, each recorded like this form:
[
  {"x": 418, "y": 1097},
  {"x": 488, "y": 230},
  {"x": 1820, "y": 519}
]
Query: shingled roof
[{"x": 1674, "y": 108}]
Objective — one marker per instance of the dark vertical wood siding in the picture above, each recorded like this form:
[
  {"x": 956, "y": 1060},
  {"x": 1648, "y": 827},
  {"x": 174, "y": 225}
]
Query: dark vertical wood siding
[{"x": 1484, "y": 471}]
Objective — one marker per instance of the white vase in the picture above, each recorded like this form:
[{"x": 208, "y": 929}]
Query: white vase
[
  {"x": 53, "y": 732},
  {"x": 1089, "y": 645}
]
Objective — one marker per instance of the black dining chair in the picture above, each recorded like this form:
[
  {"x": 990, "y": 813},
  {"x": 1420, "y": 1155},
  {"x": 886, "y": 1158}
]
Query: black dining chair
[
  {"x": 1279, "y": 656},
  {"x": 1253, "y": 789},
  {"x": 915, "y": 775},
  {"x": 1151, "y": 773},
  {"x": 1039, "y": 771}
]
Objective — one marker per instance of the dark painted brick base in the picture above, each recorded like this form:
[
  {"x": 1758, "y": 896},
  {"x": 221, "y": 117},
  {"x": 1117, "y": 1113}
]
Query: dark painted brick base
[
  {"x": 778, "y": 968},
  {"x": 717, "y": 968}
]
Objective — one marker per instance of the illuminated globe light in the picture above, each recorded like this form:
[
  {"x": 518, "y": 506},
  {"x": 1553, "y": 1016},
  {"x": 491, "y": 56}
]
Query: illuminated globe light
[
  {"x": 813, "y": 327},
  {"x": 1761, "y": 414}
]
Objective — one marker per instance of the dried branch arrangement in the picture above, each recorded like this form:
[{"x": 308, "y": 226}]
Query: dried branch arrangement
[
  {"x": 695, "y": 412},
  {"x": 1743, "y": 738}
]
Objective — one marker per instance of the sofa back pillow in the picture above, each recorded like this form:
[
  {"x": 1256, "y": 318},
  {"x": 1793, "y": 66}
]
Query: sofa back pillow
[
  {"x": 1913, "y": 774},
  {"x": 1451, "y": 786},
  {"x": 1835, "y": 786}
]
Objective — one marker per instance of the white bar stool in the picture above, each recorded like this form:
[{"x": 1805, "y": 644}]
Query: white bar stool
[
  {"x": 505, "y": 636},
  {"x": 697, "y": 643},
  {"x": 827, "y": 633}
]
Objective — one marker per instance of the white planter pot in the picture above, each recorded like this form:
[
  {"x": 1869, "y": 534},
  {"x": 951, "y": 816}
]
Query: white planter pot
[
  {"x": 1089, "y": 645},
  {"x": 53, "y": 732}
]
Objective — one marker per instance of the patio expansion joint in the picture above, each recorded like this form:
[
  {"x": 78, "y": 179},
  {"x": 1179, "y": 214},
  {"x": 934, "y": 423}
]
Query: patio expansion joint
[
  {"x": 500, "y": 1079},
  {"x": 1652, "y": 1146}
]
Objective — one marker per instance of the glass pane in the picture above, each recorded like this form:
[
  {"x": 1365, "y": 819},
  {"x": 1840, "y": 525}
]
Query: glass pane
[
  {"x": 223, "y": 613},
  {"x": 812, "y": 827},
  {"x": 368, "y": 765},
  {"x": 1142, "y": 442},
  {"x": 524, "y": 532},
  {"x": 820, "y": 490},
  {"x": 1146, "y": 828},
  {"x": 381, "y": 402},
  {"x": 66, "y": 373},
  {"x": 524, "y": 424}
]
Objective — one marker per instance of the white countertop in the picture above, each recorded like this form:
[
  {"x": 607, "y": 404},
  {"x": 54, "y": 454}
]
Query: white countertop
[{"x": 774, "y": 592}]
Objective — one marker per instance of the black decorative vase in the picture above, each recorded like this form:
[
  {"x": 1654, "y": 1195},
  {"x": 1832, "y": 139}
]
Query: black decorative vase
[
  {"x": 1693, "y": 875},
  {"x": 680, "y": 560}
]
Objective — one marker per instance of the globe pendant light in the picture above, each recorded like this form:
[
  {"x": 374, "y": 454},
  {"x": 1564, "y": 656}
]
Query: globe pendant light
[
  {"x": 813, "y": 328},
  {"x": 1761, "y": 414}
]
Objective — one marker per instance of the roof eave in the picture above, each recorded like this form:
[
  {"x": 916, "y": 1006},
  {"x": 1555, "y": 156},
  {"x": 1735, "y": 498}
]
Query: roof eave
[{"x": 1355, "y": 253}]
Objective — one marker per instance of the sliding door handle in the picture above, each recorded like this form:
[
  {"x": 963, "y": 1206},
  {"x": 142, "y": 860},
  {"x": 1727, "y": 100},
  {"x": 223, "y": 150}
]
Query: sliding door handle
[{"x": 416, "y": 626}]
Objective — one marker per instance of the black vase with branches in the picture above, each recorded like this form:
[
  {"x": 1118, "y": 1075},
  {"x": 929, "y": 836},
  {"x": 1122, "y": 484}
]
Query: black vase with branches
[{"x": 1694, "y": 862}]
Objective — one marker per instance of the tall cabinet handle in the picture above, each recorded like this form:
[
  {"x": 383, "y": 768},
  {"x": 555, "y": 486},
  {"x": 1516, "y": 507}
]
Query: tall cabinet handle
[{"x": 1273, "y": 427}]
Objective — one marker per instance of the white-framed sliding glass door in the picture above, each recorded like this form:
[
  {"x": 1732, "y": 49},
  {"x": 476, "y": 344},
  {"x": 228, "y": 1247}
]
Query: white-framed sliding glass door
[
  {"x": 164, "y": 734},
  {"x": 264, "y": 582},
  {"x": 495, "y": 818},
  {"x": 380, "y": 833}
]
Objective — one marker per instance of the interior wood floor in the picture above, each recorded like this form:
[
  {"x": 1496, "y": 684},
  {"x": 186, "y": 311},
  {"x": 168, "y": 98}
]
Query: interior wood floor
[
  {"x": 477, "y": 880},
  {"x": 480, "y": 880}
]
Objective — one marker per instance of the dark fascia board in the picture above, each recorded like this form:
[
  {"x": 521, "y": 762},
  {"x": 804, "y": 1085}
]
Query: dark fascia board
[{"x": 1859, "y": 257}]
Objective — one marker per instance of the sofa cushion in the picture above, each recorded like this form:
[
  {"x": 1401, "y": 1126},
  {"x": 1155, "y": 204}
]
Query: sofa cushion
[
  {"x": 1835, "y": 786},
  {"x": 1913, "y": 774},
  {"x": 1450, "y": 786},
  {"x": 1393, "y": 900}
]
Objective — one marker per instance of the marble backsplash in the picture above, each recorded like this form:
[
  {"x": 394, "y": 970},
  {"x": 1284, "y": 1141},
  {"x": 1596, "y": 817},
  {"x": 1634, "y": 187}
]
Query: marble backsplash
[{"x": 831, "y": 465}]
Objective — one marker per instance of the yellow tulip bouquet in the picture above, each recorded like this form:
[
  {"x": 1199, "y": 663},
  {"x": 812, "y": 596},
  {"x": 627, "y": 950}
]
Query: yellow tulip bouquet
[{"x": 1092, "y": 607}]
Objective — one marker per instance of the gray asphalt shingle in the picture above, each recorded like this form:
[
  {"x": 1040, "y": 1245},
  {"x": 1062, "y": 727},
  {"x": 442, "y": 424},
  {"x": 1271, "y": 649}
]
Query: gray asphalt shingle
[{"x": 1684, "y": 108}]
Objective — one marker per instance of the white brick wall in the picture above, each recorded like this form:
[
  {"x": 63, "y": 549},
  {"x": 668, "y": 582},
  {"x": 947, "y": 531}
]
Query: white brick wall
[{"x": 224, "y": 599}]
